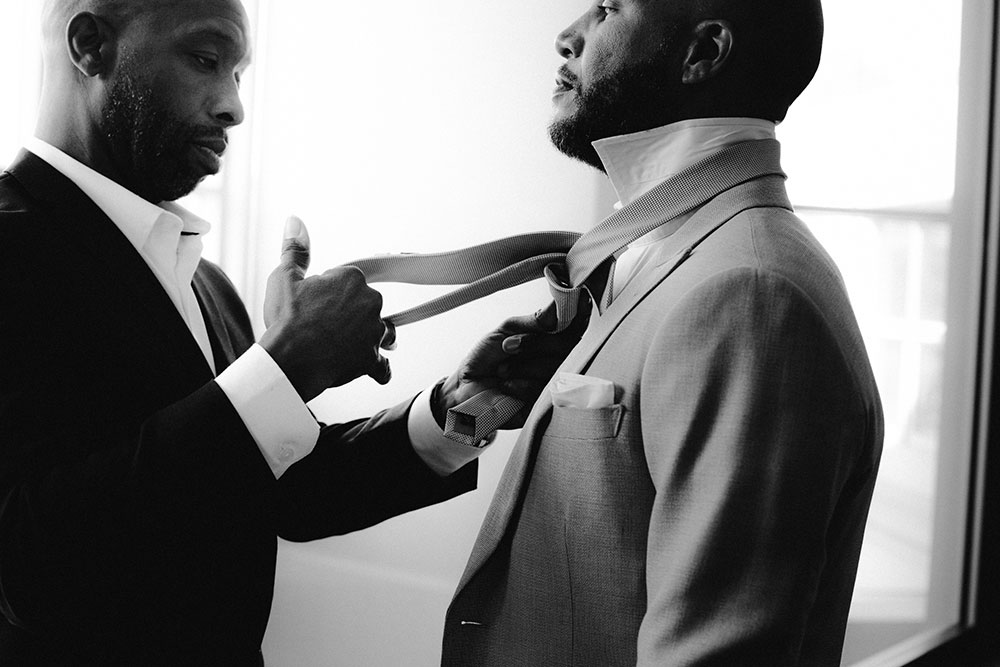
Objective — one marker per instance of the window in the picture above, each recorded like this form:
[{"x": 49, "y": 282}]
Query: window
[
  {"x": 893, "y": 184},
  {"x": 909, "y": 243}
]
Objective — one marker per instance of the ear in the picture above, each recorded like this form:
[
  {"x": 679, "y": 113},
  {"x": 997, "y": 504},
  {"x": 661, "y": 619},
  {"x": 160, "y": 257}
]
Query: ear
[
  {"x": 91, "y": 43},
  {"x": 709, "y": 50}
]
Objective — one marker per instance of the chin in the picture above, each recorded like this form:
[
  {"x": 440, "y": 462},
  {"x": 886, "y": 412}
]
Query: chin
[
  {"x": 177, "y": 188},
  {"x": 571, "y": 142}
]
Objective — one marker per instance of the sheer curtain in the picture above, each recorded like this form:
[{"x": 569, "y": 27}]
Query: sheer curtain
[{"x": 20, "y": 35}]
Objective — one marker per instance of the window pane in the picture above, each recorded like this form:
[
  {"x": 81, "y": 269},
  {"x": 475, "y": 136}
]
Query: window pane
[
  {"x": 872, "y": 153},
  {"x": 894, "y": 268}
]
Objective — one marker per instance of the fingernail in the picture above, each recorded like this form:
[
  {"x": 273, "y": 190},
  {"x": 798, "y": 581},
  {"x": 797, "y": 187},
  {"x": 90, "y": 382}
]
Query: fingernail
[
  {"x": 295, "y": 228},
  {"x": 511, "y": 344}
]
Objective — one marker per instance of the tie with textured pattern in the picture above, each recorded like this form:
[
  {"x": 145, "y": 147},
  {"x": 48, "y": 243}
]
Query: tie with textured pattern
[{"x": 567, "y": 260}]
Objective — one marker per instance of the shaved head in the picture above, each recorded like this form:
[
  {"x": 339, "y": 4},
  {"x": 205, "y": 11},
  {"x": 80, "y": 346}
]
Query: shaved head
[
  {"x": 776, "y": 55},
  {"x": 57, "y": 13}
]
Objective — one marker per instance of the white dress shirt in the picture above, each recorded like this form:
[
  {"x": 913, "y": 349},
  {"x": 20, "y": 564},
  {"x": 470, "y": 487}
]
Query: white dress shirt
[
  {"x": 635, "y": 163},
  {"x": 274, "y": 414}
]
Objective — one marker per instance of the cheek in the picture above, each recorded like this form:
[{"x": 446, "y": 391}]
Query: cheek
[
  {"x": 597, "y": 63},
  {"x": 608, "y": 55},
  {"x": 178, "y": 95}
]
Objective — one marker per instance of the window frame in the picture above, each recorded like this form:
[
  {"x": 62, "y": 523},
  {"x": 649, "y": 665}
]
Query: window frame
[{"x": 975, "y": 642}]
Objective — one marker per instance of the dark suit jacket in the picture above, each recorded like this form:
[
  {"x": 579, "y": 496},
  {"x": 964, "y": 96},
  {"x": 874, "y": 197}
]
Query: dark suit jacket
[
  {"x": 713, "y": 515},
  {"x": 138, "y": 519}
]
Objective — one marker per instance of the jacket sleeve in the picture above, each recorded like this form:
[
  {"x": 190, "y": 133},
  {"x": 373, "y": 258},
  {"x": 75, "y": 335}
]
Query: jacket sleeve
[
  {"x": 753, "y": 429},
  {"x": 359, "y": 474}
]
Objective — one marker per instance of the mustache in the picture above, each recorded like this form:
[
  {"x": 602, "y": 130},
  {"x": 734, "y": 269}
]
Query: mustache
[{"x": 567, "y": 76}]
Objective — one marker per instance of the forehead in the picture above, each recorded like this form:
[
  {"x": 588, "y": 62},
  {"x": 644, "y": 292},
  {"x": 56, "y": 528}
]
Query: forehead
[{"x": 222, "y": 21}]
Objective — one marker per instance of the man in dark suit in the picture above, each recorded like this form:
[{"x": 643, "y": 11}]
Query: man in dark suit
[
  {"x": 705, "y": 504},
  {"x": 150, "y": 451}
]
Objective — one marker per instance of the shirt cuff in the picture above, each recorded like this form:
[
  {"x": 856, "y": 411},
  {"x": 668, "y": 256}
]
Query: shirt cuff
[
  {"x": 440, "y": 454},
  {"x": 277, "y": 418}
]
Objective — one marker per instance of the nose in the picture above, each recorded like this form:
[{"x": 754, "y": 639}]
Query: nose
[
  {"x": 569, "y": 43},
  {"x": 228, "y": 107}
]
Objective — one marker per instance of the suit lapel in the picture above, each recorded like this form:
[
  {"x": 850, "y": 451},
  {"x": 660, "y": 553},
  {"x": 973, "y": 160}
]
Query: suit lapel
[
  {"x": 114, "y": 261},
  {"x": 766, "y": 191},
  {"x": 223, "y": 349}
]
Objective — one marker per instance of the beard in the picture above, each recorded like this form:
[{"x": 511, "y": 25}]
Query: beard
[
  {"x": 150, "y": 146},
  {"x": 633, "y": 100}
]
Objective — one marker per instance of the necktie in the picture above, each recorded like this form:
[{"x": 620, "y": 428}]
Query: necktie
[{"x": 567, "y": 260}]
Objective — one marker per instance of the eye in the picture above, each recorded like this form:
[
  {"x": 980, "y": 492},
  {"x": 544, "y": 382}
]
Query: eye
[
  {"x": 205, "y": 61},
  {"x": 608, "y": 9}
]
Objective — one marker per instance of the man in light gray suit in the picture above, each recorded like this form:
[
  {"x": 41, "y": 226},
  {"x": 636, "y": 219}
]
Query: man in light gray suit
[{"x": 711, "y": 510}]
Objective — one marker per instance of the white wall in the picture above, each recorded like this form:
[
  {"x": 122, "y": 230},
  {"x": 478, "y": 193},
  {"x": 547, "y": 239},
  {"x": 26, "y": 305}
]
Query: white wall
[{"x": 402, "y": 126}]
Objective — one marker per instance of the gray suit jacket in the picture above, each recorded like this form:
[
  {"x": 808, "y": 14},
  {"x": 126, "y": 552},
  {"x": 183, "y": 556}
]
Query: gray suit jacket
[{"x": 714, "y": 514}]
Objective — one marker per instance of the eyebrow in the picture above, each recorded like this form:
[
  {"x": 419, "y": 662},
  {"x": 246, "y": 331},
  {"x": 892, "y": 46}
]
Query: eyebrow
[{"x": 213, "y": 30}]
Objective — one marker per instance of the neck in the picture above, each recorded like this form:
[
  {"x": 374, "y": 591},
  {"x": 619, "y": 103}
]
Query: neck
[
  {"x": 68, "y": 122},
  {"x": 78, "y": 136}
]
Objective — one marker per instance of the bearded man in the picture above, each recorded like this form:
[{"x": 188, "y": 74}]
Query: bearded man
[
  {"x": 150, "y": 451},
  {"x": 710, "y": 509}
]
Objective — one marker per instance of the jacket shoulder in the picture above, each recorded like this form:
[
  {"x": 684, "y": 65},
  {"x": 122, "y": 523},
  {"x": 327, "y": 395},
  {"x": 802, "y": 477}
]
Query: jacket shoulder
[{"x": 14, "y": 199}]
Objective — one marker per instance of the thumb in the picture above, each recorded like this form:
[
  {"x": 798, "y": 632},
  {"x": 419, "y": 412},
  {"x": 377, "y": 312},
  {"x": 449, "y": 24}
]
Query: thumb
[
  {"x": 547, "y": 318},
  {"x": 295, "y": 248}
]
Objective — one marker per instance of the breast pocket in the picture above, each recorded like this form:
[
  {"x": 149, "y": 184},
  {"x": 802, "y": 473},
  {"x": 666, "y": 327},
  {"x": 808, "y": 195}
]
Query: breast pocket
[
  {"x": 586, "y": 423},
  {"x": 583, "y": 451}
]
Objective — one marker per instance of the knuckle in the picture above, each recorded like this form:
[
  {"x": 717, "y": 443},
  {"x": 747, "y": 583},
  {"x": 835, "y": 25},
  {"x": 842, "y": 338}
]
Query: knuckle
[
  {"x": 295, "y": 252},
  {"x": 292, "y": 245},
  {"x": 353, "y": 275}
]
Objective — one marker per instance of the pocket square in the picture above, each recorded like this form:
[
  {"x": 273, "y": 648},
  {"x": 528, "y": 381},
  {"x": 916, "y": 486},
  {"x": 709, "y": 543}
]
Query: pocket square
[{"x": 570, "y": 390}]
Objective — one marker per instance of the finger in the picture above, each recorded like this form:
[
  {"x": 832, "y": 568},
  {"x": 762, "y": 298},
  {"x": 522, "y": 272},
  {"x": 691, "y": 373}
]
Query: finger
[
  {"x": 381, "y": 372},
  {"x": 295, "y": 248},
  {"x": 541, "y": 346},
  {"x": 547, "y": 318},
  {"x": 525, "y": 390},
  {"x": 389, "y": 337},
  {"x": 541, "y": 321},
  {"x": 535, "y": 372}
]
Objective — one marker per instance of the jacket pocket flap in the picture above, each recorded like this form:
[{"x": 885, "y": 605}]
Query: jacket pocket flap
[{"x": 586, "y": 423}]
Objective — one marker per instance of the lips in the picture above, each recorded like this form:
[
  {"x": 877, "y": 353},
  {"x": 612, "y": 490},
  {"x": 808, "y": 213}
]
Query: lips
[
  {"x": 208, "y": 153},
  {"x": 216, "y": 145},
  {"x": 565, "y": 81}
]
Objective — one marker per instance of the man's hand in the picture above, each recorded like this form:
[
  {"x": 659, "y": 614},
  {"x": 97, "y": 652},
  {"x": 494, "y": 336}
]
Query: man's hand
[
  {"x": 518, "y": 358},
  {"x": 323, "y": 331}
]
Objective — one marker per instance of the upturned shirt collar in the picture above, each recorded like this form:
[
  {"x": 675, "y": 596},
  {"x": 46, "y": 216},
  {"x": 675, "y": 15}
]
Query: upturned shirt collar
[{"x": 637, "y": 162}]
